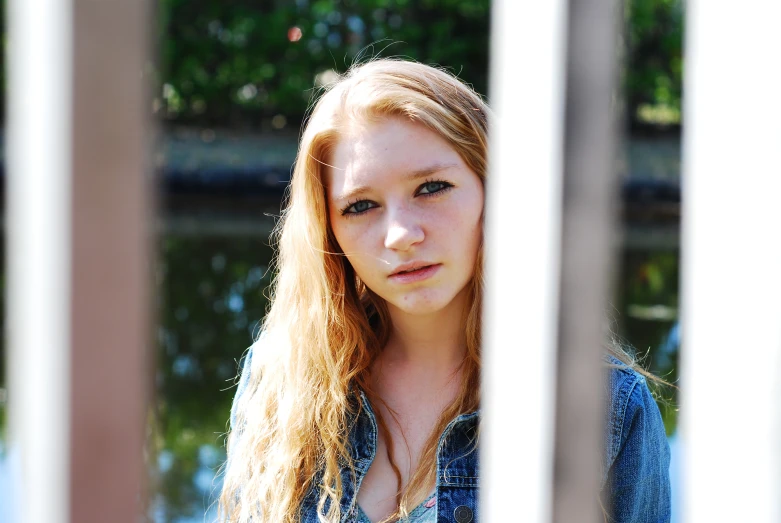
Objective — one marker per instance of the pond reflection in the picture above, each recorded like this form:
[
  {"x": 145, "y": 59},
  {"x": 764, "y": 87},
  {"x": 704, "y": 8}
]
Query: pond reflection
[{"x": 211, "y": 298}]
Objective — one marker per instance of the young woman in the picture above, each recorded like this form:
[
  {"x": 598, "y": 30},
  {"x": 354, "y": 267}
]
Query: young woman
[{"x": 360, "y": 401}]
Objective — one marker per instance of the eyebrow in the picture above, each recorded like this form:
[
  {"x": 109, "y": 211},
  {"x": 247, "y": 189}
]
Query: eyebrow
[{"x": 417, "y": 174}]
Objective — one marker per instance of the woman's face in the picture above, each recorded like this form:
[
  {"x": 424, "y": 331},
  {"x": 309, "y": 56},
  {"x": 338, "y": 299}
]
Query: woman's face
[{"x": 400, "y": 198}]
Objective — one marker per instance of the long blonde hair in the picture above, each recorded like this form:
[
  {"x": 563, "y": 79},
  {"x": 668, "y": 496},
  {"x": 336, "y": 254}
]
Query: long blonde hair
[{"x": 324, "y": 327}]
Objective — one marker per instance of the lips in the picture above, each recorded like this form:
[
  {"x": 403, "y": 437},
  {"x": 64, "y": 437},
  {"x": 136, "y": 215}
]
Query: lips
[
  {"x": 415, "y": 272},
  {"x": 410, "y": 267}
]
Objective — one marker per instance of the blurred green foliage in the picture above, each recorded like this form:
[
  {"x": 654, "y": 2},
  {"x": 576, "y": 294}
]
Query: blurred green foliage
[
  {"x": 230, "y": 63},
  {"x": 233, "y": 63},
  {"x": 238, "y": 64},
  {"x": 654, "y": 60}
]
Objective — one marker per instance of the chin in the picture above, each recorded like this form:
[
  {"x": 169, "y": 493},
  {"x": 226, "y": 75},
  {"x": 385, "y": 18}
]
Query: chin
[{"x": 421, "y": 304}]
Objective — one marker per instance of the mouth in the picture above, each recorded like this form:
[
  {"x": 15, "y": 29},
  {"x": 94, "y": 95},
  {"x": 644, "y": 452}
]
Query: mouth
[
  {"x": 415, "y": 272},
  {"x": 411, "y": 267}
]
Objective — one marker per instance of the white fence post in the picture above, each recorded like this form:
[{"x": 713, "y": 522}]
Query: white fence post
[
  {"x": 38, "y": 254},
  {"x": 731, "y": 263},
  {"x": 523, "y": 220}
]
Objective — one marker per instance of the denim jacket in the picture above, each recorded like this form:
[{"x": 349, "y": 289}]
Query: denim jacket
[
  {"x": 636, "y": 457},
  {"x": 635, "y": 472}
]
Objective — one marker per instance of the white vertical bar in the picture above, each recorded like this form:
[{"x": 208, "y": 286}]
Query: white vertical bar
[
  {"x": 38, "y": 252},
  {"x": 731, "y": 265},
  {"x": 523, "y": 221}
]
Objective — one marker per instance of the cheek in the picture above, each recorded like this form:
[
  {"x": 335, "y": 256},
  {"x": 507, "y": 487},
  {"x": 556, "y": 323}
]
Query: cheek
[
  {"x": 464, "y": 219},
  {"x": 355, "y": 243},
  {"x": 465, "y": 228},
  {"x": 340, "y": 231},
  {"x": 348, "y": 238}
]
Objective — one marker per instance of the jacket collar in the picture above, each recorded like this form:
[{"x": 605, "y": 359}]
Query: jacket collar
[{"x": 457, "y": 442}]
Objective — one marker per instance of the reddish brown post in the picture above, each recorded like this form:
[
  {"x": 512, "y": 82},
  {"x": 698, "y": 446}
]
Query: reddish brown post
[{"x": 110, "y": 259}]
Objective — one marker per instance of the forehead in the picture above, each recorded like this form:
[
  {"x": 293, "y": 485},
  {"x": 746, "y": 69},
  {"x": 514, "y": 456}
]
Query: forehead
[{"x": 382, "y": 151}]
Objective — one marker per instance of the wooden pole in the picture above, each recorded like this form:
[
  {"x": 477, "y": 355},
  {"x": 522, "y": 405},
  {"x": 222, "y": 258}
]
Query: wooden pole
[
  {"x": 589, "y": 231},
  {"x": 111, "y": 259}
]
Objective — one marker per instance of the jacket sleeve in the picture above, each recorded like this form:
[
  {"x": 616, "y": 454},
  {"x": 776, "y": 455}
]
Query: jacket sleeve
[{"x": 638, "y": 482}]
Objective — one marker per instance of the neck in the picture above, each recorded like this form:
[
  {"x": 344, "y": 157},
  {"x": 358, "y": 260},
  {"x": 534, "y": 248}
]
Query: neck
[{"x": 428, "y": 341}]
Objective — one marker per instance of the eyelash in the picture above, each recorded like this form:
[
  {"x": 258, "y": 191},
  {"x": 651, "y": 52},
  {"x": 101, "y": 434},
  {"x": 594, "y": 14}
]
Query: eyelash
[{"x": 446, "y": 186}]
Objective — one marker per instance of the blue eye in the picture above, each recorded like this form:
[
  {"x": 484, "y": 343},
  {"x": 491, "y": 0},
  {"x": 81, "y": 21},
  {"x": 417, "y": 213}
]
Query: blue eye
[
  {"x": 359, "y": 207},
  {"x": 434, "y": 187},
  {"x": 429, "y": 188}
]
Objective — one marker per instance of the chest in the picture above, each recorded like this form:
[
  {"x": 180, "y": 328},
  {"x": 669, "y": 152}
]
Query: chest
[
  {"x": 410, "y": 428},
  {"x": 457, "y": 463}
]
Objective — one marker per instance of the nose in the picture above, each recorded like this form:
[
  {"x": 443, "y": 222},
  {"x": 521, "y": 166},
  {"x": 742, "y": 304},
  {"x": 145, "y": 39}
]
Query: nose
[{"x": 403, "y": 231}]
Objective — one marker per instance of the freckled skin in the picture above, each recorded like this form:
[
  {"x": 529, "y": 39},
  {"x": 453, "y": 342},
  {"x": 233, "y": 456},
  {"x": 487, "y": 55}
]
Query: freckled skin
[{"x": 401, "y": 224}]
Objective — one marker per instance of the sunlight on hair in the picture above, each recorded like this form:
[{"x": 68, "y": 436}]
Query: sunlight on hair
[{"x": 328, "y": 325}]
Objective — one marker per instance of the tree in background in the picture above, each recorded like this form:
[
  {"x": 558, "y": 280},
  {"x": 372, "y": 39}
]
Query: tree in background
[
  {"x": 255, "y": 65},
  {"x": 241, "y": 64},
  {"x": 235, "y": 63},
  {"x": 654, "y": 61}
]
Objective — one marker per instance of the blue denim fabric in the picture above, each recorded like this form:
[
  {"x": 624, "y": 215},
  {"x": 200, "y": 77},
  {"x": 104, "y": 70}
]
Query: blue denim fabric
[
  {"x": 636, "y": 464},
  {"x": 636, "y": 458},
  {"x": 457, "y": 468}
]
